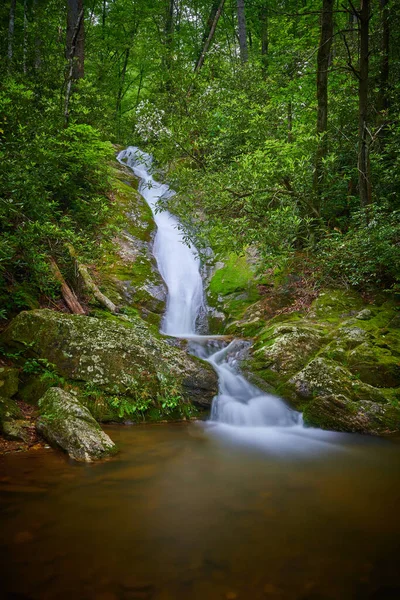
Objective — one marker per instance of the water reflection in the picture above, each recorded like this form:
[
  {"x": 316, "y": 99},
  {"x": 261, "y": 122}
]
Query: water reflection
[{"x": 184, "y": 512}]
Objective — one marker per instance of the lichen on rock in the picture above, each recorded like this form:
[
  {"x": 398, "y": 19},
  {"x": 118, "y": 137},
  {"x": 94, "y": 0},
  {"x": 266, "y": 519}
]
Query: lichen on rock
[
  {"x": 120, "y": 357},
  {"x": 339, "y": 362},
  {"x": 65, "y": 423}
]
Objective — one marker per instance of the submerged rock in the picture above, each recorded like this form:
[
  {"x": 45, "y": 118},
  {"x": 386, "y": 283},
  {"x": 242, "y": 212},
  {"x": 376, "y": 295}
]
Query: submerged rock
[
  {"x": 65, "y": 423},
  {"x": 120, "y": 358}
]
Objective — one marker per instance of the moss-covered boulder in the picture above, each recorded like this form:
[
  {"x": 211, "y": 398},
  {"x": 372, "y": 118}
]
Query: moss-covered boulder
[
  {"x": 12, "y": 424},
  {"x": 8, "y": 381},
  {"x": 339, "y": 362},
  {"x": 65, "y": 423},
  {"x": 120, "y": 358}
]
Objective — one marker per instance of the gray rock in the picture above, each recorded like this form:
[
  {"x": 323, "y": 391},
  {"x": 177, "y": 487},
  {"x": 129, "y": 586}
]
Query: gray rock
[{"x": 65, "y": 423}]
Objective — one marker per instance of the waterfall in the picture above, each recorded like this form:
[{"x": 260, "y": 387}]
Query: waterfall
[
  {"x": 238, "y": 403},
  {"x": 178, "y": 264}
]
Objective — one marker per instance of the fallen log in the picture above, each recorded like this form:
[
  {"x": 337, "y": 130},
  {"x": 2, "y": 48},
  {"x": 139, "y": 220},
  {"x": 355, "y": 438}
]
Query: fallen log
[
  {"x": 88, "y": 282},
  {"x": 70, "y": 299}
]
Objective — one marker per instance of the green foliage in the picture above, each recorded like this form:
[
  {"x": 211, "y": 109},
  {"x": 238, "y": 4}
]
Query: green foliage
[{"x": 368, "y": 254}]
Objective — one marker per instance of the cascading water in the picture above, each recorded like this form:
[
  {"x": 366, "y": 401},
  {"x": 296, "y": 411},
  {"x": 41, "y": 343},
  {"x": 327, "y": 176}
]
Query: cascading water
[
  {"x": 178, "y": 264},
  {"x": 239, "y": 405}
]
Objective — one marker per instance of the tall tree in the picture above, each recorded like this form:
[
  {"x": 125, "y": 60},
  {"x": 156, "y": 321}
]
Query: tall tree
[
  {"x": 75, "y": 49},
  {"x": 364, "y": 181},
  {"x": 11, "y": 24},
  {"x": 324, "y": 50},
  {"x": 241, "y": 15},
  {"x": 264, "y": 34},
  {"x": 383, "y": 101},
  {"x": 210, "y": 30},
  {"x": 75, "y": 46}
]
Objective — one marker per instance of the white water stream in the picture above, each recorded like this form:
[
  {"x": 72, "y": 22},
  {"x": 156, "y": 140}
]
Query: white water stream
[{"x": 240, "y": 410}]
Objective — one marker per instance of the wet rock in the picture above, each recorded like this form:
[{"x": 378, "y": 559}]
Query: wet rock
[{"x": 65, "y": 423}]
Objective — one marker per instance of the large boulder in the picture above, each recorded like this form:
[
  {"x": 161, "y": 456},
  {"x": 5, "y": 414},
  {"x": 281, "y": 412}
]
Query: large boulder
[
  {"x": 65, "y": 423},
  {"x": 117, "y": 356}
]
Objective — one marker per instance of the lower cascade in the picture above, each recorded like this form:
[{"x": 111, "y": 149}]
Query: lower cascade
[{"x": 238, "y": 403}]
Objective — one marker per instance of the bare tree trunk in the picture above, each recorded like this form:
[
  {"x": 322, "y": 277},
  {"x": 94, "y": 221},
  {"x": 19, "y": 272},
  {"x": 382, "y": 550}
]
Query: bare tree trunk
[
  {"x": 264, "y": 35},
  {"x": 210, "y": 22},
  {"x": 324, "y": 50},
  {"x": 241, "y": 14},
  {"x": 168, "y": 42},
  {"x": 364, "y": 182},
  {"x": 290, "y": 122},
  {"x": 383, "y": 100},
  {"x": 25, "y": 49},
  {"x": 38, "y": 41},
  {"x": 69, "y": 297},
  {"x": 71, "y": 66},
  {"x": 75, "y": 49},
  {"x": 11, "y": 24},
  {"x": 210, "y": 36}
]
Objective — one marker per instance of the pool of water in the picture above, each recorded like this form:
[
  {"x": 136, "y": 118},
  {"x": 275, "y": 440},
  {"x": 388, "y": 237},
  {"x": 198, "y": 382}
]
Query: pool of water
[{"x": 190, "y": 512}]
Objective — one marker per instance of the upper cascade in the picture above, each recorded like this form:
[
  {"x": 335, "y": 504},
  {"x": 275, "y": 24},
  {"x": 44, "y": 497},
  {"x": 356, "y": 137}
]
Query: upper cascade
[{"x": 177, "y": 263}]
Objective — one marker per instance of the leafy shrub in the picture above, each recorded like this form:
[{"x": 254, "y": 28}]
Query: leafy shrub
[{"x": 368, "y": 254}]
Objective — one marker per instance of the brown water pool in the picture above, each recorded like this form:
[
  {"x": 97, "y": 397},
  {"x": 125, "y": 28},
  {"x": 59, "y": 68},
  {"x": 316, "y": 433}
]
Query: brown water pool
[{"x": 186, "y": 514}]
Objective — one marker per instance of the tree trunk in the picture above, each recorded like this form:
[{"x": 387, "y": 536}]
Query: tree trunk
[
  {"x": 264, "y": 35},
  {"x": 241, "y": 14},
  {"x": 38, "y": 41},
  {"x": 11, "y": 24},
  {"x": 383, "y": 100},
  {"x": 209, "y": 38},
  {"x": 72, "y": 59},
  {"x": 364, "y": 182},
  {"x": 25, "y": 49},
  {"x": 75, "y": 49},
  {"x": 168, "y": 41},
  {"x": 324, "y": 50},
  {"x": 208, "y": 27}
]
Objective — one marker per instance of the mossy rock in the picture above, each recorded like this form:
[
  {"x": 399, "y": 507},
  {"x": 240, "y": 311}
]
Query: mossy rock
[
  {"x": 343, "y": 371},
  {"x": 8, "y": 381},
  {"x": 12, "y": 424},
  {"x": 118, "y": 356},
  {"x": 334, "y": 305},
  {"x": 65, "y": 423},
  {"x": 128, "y": 274}
]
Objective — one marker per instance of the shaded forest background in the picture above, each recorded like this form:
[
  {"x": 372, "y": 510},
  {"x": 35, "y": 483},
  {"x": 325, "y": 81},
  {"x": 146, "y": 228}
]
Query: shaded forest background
[{"x": 276, "y": 121}]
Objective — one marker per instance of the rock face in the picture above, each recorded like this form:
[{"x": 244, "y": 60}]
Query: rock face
[
  {"x": 116, "y": 361},
  {"x": 339, "y": 363},
  {"x": 65, "y": 423}
]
